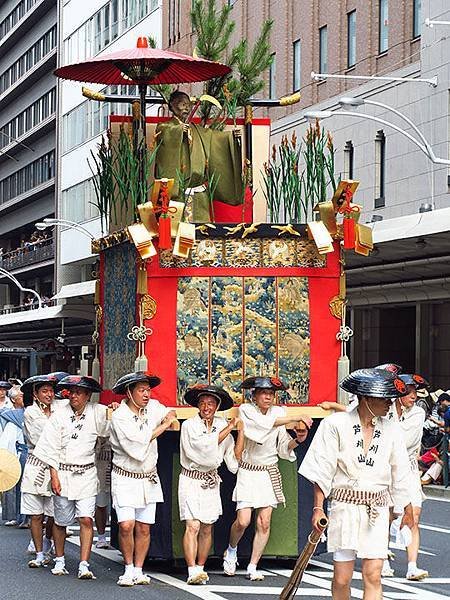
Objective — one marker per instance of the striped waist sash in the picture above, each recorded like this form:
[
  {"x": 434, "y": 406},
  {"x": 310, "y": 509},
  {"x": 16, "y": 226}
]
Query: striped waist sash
[
  {"x": 37, "y": 462},
  {"x": 152, "y": 475},
  {"x": 76, "y": 469},
  {"x": 371, "y": 500},
  {"x": 210, "y": 478},
  {"x": 274, "y": 474}
]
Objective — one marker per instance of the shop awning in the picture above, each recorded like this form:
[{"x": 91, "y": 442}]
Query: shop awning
[
  {"x": 83, "y": 288},
  {"x": 46, "y": 313}
]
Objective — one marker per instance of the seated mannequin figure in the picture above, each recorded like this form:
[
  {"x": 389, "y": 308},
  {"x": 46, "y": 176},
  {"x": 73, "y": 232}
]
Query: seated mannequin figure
[{"x": 194, "y": 153}]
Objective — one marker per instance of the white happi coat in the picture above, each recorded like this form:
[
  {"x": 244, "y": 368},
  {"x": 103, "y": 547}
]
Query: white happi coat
[
  {"x": 36, "y": 479},
  {"x": 135, "y": 452},
  {"x": 336, "y": 459},
  {"x": 263, "y": 445},
  {"x": 200, "y": 451},
  {"x": 411, "y": 423},
  {"x": 69, "y": 440}
]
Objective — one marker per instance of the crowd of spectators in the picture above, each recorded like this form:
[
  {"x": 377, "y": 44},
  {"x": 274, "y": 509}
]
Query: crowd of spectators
[
  {"x": 37, "y": 239},
  {"x": 12, "y": 439},
  {"x": 435, "y": 450}
]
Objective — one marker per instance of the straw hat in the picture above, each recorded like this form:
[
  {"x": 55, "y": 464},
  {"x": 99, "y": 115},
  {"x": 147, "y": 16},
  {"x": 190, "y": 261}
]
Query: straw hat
[{"x": 9, "y": 470}]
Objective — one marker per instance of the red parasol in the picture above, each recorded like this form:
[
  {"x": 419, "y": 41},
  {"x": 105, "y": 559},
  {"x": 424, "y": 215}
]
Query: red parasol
[{"x": 143, "y": 66}]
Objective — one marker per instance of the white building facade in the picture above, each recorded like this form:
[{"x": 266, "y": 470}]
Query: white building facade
[{"x": 89, "y": 29}]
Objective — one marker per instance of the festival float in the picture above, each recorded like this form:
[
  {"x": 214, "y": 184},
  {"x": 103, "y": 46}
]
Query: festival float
[{"x": 222, "y": 259}]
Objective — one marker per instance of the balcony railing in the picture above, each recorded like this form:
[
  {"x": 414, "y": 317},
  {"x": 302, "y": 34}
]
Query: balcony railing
[
  {"x": 28, "y": 254},
  {"x": 8, "y": 309}
]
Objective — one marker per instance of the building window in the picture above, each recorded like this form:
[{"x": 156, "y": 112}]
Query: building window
[
  {"x": 380, "y": 169},
  {"x": 28, "y": 60},
  {"x": 32, "y": 175},
  {"x": 78, "y": 203},
  {"x": 417, "y": 17},
  {"x": 297, "y": 65},
  {"x": 273, "y": 77},
  {"x": 31, "y": 117},
  {"x": 89, "y": 119},
  {"x": 323, "y": 49},
  {"x": 15, "y": 16},
  {"x": 348, "y": 160},
  {"x": 351, "y": 39},
  {"x": 383, "y": 32},
  {"x": 112, "y": 20},
  {"x": 174, "y": 20}
]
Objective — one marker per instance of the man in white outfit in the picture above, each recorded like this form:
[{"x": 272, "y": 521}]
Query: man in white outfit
[
  {"x": 259, "y": 485},
  {"x": 206, "y": 442},
  {"x": 357, "y": 460},
  {"x": 67, "y": 444},
  {"x": 135, "y": 485},
  {"x": 37, "y": 500},
  {"x": 411, "y": 419}
]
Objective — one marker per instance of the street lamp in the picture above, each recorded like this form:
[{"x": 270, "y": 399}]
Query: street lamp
[
  {"x": 433, "y": 81},
  {"x": 431, "y": 23},
  {"x": 51, "y": 222},
  {"x": 11, "y": 277},
  {"x": 347, "y": 101},
  {"x": 425, "y": 148}
]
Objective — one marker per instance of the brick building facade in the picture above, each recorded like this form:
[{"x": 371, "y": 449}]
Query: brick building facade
[{"x": 301, "y": 21}]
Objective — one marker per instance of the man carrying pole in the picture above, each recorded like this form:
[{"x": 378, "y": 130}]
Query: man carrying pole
[
  {"x": 37, "y": 500},
  {"x": 205, "y": 442},
  {"x": 135, "y": 485},
  {"x": 259, "y": 485},
  {"x": 67, "y": 444},
  {"x": 358, "y": 460}
]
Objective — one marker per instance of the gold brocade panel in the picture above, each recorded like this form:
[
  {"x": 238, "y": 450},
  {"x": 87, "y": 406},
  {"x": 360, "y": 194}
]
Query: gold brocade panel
[{"x": 229, "y": 328}]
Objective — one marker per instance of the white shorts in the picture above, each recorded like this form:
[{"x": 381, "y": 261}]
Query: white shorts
[
  {"x": 32, "y": 504},
  {"x": 145, "y": 514},
  {"x": 66, "y": 511},
  {"x": 242, "y": 504},
  {"x": 102, "y": 499},
  {"x": 344, "y": 555}
]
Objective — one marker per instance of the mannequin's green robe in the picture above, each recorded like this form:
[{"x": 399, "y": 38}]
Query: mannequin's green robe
[{"x": 210, "y": 152}]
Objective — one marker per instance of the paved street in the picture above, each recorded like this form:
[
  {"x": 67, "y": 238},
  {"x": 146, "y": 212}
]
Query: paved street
[{"x": 21, "y": 583}]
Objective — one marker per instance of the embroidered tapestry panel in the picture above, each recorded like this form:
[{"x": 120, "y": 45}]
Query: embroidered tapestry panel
[{"x": 230, "y": 328}]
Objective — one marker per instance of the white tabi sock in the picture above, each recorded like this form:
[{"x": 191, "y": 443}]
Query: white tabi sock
[
  {"x": 129, "y": 569},
  {"x": 412, "y": 566},
  {"x": 138, "y": 571},
  {"x": 61, "y": 560},
  {"x": 40, "y": 556},
  {"x": 200, "y": 568},
  {"x": 251, "y": 568},
  {"x": 232, "y": 551},
  {"x": 192, "y": 571},
  {"x": 83, "y": 564}
]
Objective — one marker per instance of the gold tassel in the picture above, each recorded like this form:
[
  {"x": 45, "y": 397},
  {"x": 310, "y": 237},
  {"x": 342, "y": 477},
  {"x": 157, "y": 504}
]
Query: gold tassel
[
  {"x": 342, "y": 286},
  {"x": 97, "y": 292},
  {"x": 141, "y": 283}
]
